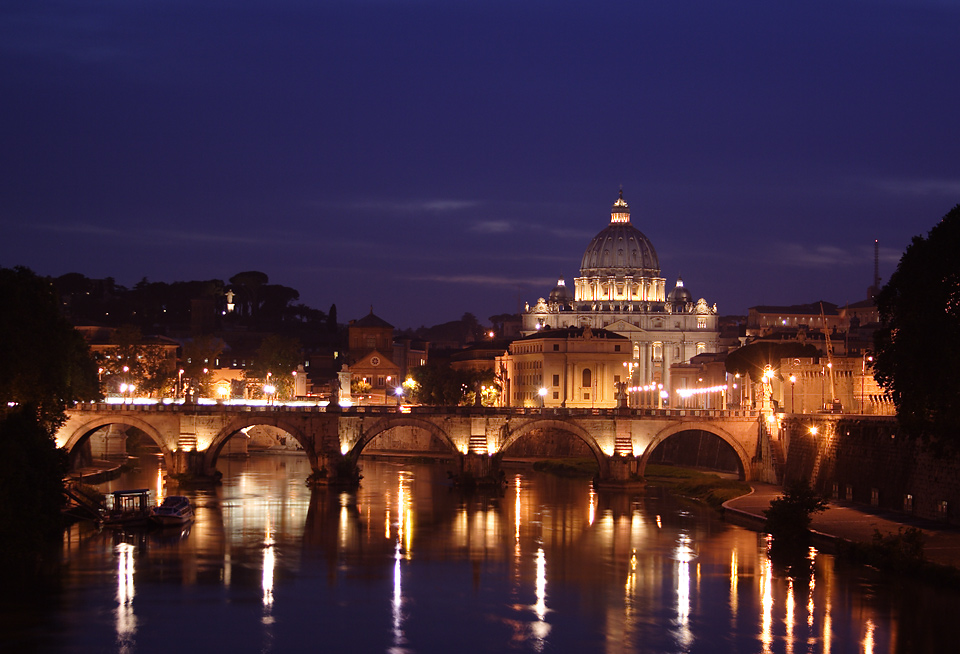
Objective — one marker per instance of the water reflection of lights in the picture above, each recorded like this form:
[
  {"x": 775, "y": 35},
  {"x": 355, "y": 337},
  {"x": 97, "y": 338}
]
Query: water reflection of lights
[
  {"x": 868, "y": 638},
  {"x": 160, "y": 484},
  {"x": 401, "y": 550},
  {"x": 397, "y": 602},
  {"x": 766, "y": 603},
  {"x": 684, "y": 556},
  {"x": 516, "y": 509},
  {"x": 788, "y": 620},
  {"x": 812, "y": 585},
  {"x": 540, "y": 628},
  {"x": 269, "y": 562},
  {"x": 659, "y": 523},
  {"x": 126, "y": 621},
  {"x": 592, "y": 510},
  {"x": 734, "y": 579}
]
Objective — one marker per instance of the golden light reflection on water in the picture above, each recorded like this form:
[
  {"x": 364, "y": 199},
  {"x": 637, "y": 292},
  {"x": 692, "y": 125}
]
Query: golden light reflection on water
[
  {"x": 516, "y": 509},
  {"x": 684, "y": 555},
  {"x": 396, "y": 603},
  {"x": 734, "y": 578},
  {"x": 811, "y": 586},
  {"x": 788, "y": 620},
  {"x": 540, "y": 628},
  {"x": 633, "y": 557},
  {"x": 868, "y": 638},
  {"x": 269, "y": 563},
  {"x": 126, "y": 621},
  {"x": 592, "y": 507},
  {"x": 766, "y": 604}
]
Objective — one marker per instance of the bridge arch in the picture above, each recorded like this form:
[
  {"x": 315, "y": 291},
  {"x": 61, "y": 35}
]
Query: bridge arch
[
  {"x": 242, "y": 422},
  {"x": 82, "y": 432},
  {"x": 677, "y": 427},
  {"x": 389, "y": 422},
  {"x": 571, "y": 427}
]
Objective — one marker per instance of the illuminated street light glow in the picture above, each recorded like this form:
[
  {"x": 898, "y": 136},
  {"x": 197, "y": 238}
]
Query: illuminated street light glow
[{"x": 687, "y": 392}]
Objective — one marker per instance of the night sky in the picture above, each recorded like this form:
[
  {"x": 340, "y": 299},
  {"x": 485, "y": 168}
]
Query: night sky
[{"x": 441, "y": 156}]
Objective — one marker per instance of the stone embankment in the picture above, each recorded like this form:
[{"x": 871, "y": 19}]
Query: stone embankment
[{"x": 851, "y": 522}]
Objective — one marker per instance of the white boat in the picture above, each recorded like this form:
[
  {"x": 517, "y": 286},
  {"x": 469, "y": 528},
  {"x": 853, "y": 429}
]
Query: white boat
[{"x": 175, "y": 510}]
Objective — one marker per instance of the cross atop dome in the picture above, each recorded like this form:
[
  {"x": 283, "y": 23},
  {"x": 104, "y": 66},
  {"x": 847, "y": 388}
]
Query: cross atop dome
[{"x": 620, "y": 213}]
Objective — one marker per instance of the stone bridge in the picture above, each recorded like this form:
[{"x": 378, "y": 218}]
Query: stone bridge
[{"x": 191, "y": 436}]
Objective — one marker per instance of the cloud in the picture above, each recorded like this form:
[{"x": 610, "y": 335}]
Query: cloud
[
  {"x": 484, "y": 280},
  {"x": 491, "y": 227},
  {"x": 403, "y": 206},
  {"x": 79, "y": 228},
  {"x": 918, "y": 187},
  {"x": 826, "y": 256}
]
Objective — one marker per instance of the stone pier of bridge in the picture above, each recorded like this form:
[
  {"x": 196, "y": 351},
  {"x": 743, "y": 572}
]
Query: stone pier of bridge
[{"x": 191, "y": 437}]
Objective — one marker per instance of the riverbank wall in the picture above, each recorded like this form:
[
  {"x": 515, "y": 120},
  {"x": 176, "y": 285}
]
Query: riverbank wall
[{"x": 865, "y": 460}]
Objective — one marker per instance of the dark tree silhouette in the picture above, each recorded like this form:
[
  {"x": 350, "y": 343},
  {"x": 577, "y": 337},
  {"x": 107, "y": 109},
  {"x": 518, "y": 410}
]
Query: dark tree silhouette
[
  {"x": 45, "y": 365},
  {"x": 916, "y": 354}
]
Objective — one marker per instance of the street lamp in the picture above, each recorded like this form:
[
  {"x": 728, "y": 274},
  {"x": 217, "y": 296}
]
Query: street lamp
[
  {"x": 863, "y": 382},
  {"x": 793, "y": 406},
  {"x": 269, "y": 390},
  {"x": 543, "y": 394}
]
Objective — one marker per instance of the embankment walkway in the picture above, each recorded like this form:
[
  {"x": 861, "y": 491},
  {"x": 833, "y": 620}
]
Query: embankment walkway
[{"x": 854, "y": 522}]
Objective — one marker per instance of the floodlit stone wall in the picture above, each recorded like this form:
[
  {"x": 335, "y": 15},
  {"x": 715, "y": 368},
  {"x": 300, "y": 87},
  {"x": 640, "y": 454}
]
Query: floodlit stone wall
[{"x": 868, "y": 461}]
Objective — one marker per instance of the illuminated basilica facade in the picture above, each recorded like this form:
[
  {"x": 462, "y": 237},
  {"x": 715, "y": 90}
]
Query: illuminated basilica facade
[{"x": 620, "y": 289}]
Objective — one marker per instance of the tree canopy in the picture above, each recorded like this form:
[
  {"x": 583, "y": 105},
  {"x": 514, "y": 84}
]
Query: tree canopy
[
  {"x": 439, "y": 384},
  {"x": 45, "y": 365},
  {"x": 916, "y": 356},
  {"x": 751, "y": 359}
]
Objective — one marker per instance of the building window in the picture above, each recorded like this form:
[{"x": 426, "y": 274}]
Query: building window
[
  {"x": 556, "y": 380},
  {"x": 636, "y": 351},
  {"x": 701, "y": 322},
  {"x": 701, "y": 348},
  {"x": 586, "y": 379},
  {"x": 616, "y": 348},
  {"x": 658, "y": 351},
  {"x": 556, "y": 347},
  {"x": 586, "y": 396},
  {"x": 556, "y": 395}
]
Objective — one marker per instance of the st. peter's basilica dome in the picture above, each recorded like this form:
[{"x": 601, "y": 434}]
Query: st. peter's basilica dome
[{"x": 620, "y": 249}]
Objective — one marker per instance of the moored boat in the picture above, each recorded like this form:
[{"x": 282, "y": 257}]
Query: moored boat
[
  {"x": 174, "y": 510},
  {"x": 128, "y": 508}
]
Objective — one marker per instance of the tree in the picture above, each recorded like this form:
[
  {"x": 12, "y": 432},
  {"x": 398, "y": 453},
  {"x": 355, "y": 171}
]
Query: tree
[
  {"x": 145, "y": 366},
  {"x": 277, "y": 358},
  {"x": 916, "y": 358},
  {"x": 441, "y": 385},
  {"x": 45, "y": 365},
  {"x": 198, "y": 356},
  {"x": 753, "y": 358}
]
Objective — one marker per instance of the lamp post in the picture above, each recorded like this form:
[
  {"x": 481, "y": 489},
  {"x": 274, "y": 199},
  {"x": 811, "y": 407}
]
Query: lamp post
[
  {"x": 269, "y": 390},
  {"x": 793, "y": 405},
  {"x": 543, "y": 395},
  {"x": 863, "y": 382}
]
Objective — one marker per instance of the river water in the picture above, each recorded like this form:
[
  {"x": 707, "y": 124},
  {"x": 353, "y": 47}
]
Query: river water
[{"x": 407, "y": 564}]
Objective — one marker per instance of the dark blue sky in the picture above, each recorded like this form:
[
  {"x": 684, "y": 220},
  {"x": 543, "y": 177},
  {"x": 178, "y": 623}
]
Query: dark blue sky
[{"x": 440, "y": 156}]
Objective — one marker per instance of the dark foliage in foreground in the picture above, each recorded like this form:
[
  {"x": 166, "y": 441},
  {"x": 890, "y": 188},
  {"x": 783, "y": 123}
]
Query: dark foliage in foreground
[{"x": 916, "y": 358}]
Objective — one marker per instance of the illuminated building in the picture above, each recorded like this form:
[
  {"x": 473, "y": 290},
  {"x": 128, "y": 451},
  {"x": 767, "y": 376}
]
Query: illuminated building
[
  {"x": 620, "y": 289},
  {"x": 373, "y": 371},
  {"x": 572, "y": 367}
]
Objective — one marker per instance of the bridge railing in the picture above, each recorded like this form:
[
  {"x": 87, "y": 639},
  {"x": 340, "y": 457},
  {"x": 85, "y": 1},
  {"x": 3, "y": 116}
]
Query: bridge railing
[{"x": 423, "y": 410}]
